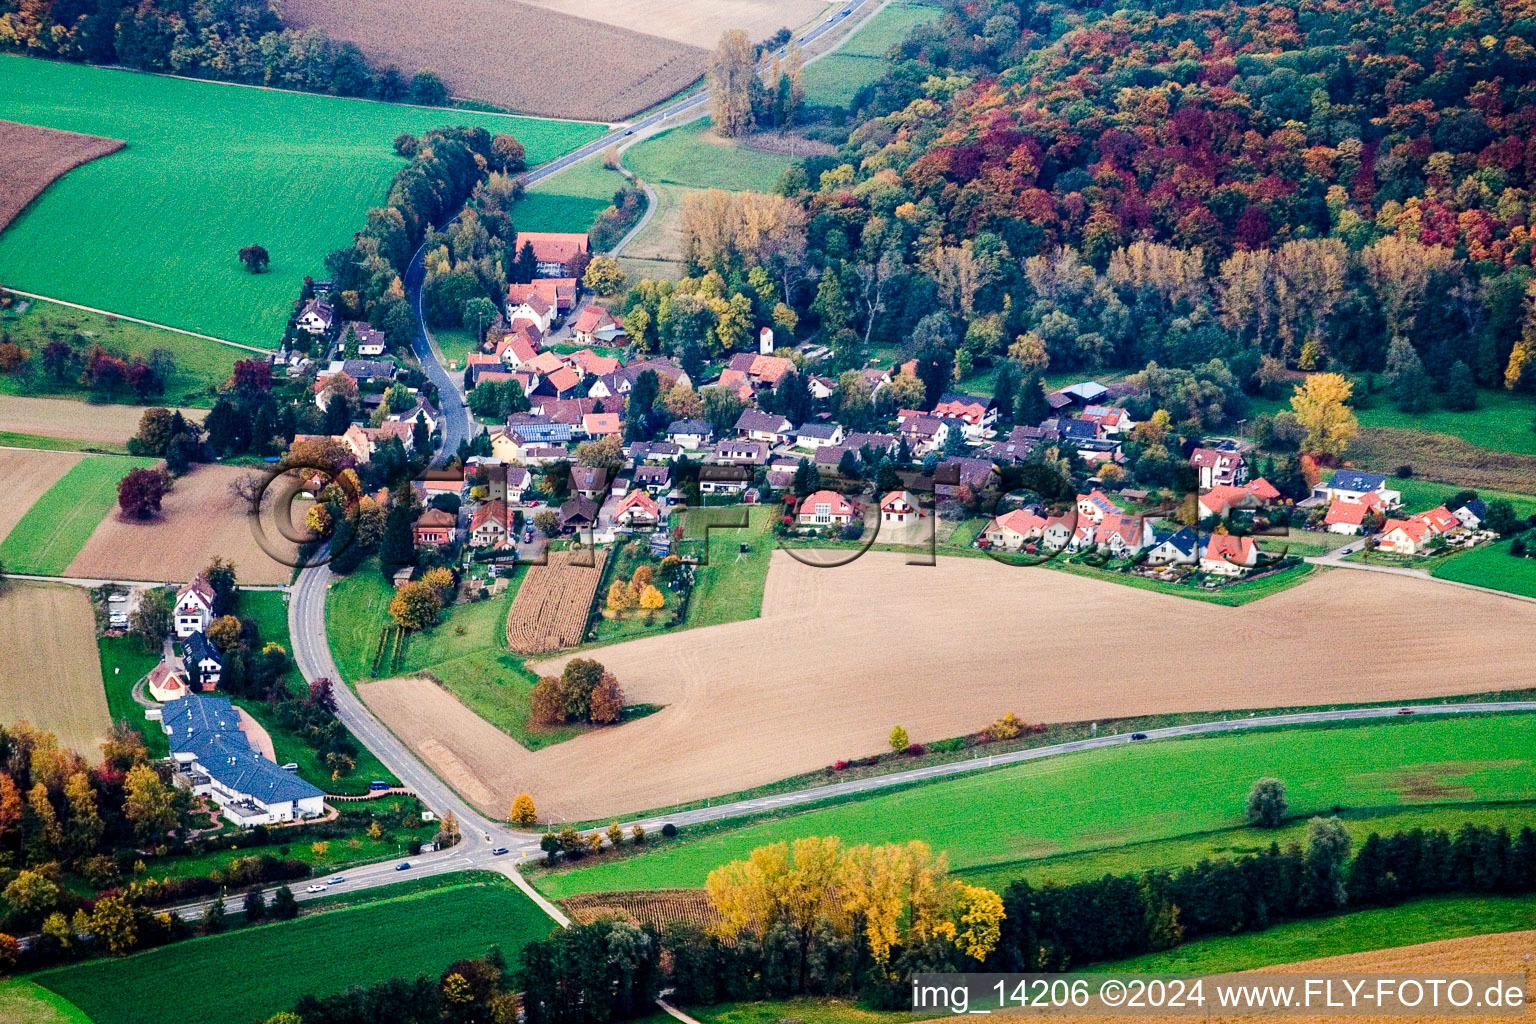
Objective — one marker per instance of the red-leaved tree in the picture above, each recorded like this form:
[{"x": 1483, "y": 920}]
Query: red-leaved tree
[{"x": 140, "y": 492}]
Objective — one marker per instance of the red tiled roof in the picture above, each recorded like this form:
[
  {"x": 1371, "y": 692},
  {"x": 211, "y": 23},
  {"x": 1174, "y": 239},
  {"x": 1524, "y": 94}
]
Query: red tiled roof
[
  {"x": 638, "y": 497},
  {"x": 494, "y": 511},
  {"x": 1225, "y": 547},
  {"x": 840, "y": 506},
  {"x": 563, "y": 379},
  {"x": 601, "y": 423}
]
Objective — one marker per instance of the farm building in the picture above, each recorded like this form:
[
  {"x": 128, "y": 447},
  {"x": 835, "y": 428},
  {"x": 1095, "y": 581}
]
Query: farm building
[
  {"x": 594, "y": 326},
  {"x": 557, "y": 253},
  {"x": 210, "y": 749}
]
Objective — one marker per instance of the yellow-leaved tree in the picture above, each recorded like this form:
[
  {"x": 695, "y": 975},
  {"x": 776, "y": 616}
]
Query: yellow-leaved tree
[
  {"x": 897, "y": 895},
  {"x": 1321, "y": 404},
  {"x": 523, "y": 812}
]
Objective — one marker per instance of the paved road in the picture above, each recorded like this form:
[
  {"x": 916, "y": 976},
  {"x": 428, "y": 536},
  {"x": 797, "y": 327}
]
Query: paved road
[
  {"x": 693, "y": 104},
  {"x": 455, "y": 421}
]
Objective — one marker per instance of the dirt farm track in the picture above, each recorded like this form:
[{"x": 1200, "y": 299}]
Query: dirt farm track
[{"x": 839, "y": 655}]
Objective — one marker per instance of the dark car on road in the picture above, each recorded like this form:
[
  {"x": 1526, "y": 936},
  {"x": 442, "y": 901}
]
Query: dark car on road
[{"x": 1138, "y": 735}]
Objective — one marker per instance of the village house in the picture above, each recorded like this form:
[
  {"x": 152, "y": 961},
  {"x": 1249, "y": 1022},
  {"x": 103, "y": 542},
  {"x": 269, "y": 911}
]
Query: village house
[
  {"x": 1348, "y": 517},
  {"x": 434, "y": 528},
  {"x": 637, "y": 510},
  {"x": 203, "y": 662},
  {"x": 1224, "y": 499},
  {"x": 691, "y": 434},
  {"x": 1217, "y": 468},
  {"x": 538, "y": 429},
  {"x": 517, "y": 350},
  {"x": 518, "y": 482},
  {"x": 1082, "y": 394},
  {"x": 923, "y": 433},
  {"x": 1472, "y": 514},
  {"x": 556, "y": 253},
  {"x": 821, "y": 388},
  {"x": 578, "y": 514},
  {"x": 1095, "y": 505},
  {"x": 488, "y": 526},
  {"x": 426, "y": 410},
  {"x": 602, "y": 424},
  {"x": 1352, "y": 485},
  {"x": 757, "y": 425},
  {"x": 1226, "y": 555},
  {"x": 370, "y": 341},
  {"x": 977, "y": 415},
  {"x": 761, "y": 371},
  {"x": 825, "y": 508},
  {"x": 559, "y": 293},
  {"x": 531, "y": 304},
  {"x": 591, "y": 364},
  {"x": 1058, "y": 531},
  {"x": 1181, "y": 547},
  {"x": 1124, "y": 536},
  {"x": 819, "y": 435},
  {"x": 209, "y": 747},
  {"x": 1011, "y": 531},
  {"x": 1108, "y": 420},
  {"x": 561, "y": 410},
  {"x": 724, "y": 480},
  {"x": 957, "y": 471},
  {"x": 654, "y": 480},
  {"x": 595, "y": 326},
  {"x": 899, "y": 508},
  {"x": 194, "y": 607},
  {"x": 1414, "y": 534},
  {"x": 878, "y": 444},
  {"x": 618, "y": 383},
  {"x": 544, "y": 454},
  {"x": 591, "y": 482},
  {"x": 654, "y": 451},
  {"x": 735, "y": 381},
  {"x": 316, "y": 317}
]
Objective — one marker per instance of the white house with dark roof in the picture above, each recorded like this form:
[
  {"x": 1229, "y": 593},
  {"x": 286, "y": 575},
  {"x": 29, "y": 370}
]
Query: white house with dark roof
[
  {"x": 1353, "y": 485},
  {"x": 204, "y": 662},
  {"x": 819, "y": 435},
  {"x": 209, "y": 747}
]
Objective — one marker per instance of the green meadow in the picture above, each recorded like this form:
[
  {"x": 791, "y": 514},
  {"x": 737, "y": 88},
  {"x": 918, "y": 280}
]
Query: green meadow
[
  {"x": 152, "y": 230},
  {"x": 252, "y": 973},
  {"x": 570, "y": 200},
  {"x": 1129, "y": 793},
  {"x": 833, "y": 80},
  {"x": 691, "y": 156}
]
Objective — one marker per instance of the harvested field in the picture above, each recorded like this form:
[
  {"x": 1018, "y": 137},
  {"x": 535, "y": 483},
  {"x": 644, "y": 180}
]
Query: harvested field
[
  {"x": 840, "y": 655},
  {"x": 1503, "y": 953},
  {"x": 27, "y": 476},
  {"x": 32, "y": 157},
  {"x": 78, "y": 421},
  {"x": 200, "y": 518},
  {"x": 659, "y": 907},
  {"x": 48, "y": 635},
  {"x": 550, "y": 610},
  {"x": 696, "y": 22},
  {"x": 606, "y": 72}
]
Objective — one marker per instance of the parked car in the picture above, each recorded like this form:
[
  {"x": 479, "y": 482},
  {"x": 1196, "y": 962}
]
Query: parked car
[
  {"x": 291, "y": 766},
  {"x": 376, "y": 784},
  {"x": 404, "y": 865}
]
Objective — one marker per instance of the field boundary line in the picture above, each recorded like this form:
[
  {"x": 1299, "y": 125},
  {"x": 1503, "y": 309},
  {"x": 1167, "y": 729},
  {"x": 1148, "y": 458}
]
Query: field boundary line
[
  {"x": 1417, "y": 574},
  {"x": 136, "y": 320},
  {"x": 356, "y": 99}
]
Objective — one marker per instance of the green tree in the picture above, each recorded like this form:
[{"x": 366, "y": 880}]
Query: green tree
[
  {"x": 1266, "y": 803},
  {"x": 215, "y": 918},
  {"x": 1460, "y": 388},
  {"x": 284, "y": 906},
  {"x": 899, "y": 739},
  {"x": 1327, "y": 854},
  {"x": 831, "y": 305},
  {"x": 255, "y": 257},
  {"x": 149, "y": 803},
  {"x": 428, "y": 90}
]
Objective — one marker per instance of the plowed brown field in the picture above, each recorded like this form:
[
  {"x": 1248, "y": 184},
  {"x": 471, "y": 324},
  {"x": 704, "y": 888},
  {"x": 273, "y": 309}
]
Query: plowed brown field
[
  {"x": 60, "y": 417},
  {"x": 50, "y": 673},
  {"x": 200, "y": 518},
  {"x": 530, "y": 59},
  {"x": 31, "y": 157},
  {"x": 696, "y": 22},
  {"x": 840, "y": 654},
  {"x": 27, "y": 474},
  {"x": 1505, "y": 953}
]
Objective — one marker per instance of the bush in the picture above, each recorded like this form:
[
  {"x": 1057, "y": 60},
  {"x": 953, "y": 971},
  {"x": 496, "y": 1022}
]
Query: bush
[
  {"x": 916, "y": 750},
  {"x": 669, "y": 830}
]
